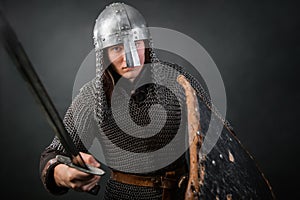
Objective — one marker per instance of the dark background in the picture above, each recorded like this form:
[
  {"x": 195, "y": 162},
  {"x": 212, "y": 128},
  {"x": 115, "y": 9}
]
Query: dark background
[{"x": 255, "y": 45}]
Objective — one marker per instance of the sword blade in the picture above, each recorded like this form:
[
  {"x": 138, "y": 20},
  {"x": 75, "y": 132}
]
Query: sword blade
[{"x": 17, "y": 53}]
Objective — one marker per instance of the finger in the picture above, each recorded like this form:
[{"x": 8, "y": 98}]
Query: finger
[
  {"x": 88, "y": 185},
  {"x": 91, "y": 180},
  {"x": 83, "y": 185},
  {"x": 89, "y": 159},
  {"x": 92, "y": 161},
  {"x": 76, "y": 175},
  {"x": 92, "y": 186}
]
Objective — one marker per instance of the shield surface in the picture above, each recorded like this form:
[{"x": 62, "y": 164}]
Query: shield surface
[{"x": 227, "y": 171}]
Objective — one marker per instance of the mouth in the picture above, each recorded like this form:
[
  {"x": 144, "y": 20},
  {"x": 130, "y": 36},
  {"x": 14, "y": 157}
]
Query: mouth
[{"x": 129, "y": 68}]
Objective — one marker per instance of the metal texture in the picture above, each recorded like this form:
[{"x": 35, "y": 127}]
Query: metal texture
[
  {"x": 91, "y": 170},
  {"x": 120, "y": 23},
  {"x": 227, "y": 172},
  {"x": 18, "y": 55}
]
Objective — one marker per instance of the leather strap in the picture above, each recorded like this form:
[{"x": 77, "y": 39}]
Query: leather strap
[
  {"x": 49, "y": 166},
  {"x": 48, "y": 178},
  {"x": 171, "y": 181},
  {"x": 145, "y": 181}
]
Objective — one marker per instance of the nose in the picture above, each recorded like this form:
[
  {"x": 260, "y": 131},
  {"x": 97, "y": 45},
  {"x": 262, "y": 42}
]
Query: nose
[{"x": 123, "y": 56}]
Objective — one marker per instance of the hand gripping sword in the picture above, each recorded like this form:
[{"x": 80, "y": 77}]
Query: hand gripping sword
[{"x": 15, "y": 50}]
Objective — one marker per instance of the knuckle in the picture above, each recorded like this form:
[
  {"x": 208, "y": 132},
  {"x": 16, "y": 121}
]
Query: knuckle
[{"x": 74, "y": 186}]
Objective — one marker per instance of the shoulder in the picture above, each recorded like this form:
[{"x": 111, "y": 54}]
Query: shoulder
[
  {"x": 175, "y": 66},
  {"x": 88, "y": 88},
  {"x": 85, "y": 96},
  {"x": 168, "y": 72}
]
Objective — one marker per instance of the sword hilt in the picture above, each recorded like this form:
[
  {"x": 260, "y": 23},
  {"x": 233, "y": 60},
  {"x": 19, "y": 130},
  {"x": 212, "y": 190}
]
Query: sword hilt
[{"x": 90, "y": 170}]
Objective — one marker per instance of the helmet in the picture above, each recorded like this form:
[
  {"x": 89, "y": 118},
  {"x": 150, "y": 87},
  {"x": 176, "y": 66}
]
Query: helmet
[{"x": 119, "y": 23}]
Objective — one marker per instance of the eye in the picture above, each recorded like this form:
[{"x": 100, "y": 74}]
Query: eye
[
  {"x": 116, "y": 48},
  {"x": 138, "y": 44}
]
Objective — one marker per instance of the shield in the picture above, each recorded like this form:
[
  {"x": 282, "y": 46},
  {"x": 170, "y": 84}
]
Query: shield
[{"x": 228, "y": 171}]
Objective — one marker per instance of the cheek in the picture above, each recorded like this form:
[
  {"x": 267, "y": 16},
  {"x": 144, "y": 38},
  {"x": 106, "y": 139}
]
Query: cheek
[
  {"x": 117, "y": 61},
  {"x": 118, "y": 70},
  {"x": 110, "y": 57},
  {"x": 141, "y": 53}
]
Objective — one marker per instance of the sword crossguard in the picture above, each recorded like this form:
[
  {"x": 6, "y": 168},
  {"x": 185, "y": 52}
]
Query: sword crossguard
[{"x": 91, "y": 169}]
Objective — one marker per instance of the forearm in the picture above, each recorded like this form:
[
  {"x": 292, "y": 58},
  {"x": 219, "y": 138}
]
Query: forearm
[{"x": 47, "y": 164}]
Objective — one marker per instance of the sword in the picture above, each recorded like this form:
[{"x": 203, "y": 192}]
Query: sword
[{"x": 17, "y": 53}]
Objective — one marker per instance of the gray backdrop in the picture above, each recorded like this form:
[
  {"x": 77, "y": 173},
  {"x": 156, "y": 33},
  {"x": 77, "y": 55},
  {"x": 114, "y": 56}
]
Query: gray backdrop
[{"x": 254, "y": 44}]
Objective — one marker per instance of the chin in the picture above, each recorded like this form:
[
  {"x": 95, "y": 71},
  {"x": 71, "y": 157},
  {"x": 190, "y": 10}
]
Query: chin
[{"x": 131, "y": 78}]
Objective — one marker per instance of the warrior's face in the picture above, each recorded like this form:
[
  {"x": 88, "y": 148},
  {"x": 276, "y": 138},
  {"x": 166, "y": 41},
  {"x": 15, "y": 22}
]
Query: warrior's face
[{"x": 117, "y": 56}]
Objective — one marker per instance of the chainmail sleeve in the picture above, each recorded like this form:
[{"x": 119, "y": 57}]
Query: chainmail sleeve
[{"x": 78, "y": 122}]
